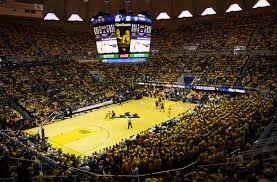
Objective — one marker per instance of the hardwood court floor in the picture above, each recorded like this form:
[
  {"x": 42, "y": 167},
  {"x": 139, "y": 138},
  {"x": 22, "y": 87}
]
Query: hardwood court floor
[{"x": 91, "y": 132}]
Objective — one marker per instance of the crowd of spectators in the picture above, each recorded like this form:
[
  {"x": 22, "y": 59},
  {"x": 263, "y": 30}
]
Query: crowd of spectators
[
  {"x": 244, "y": 30},
  {"x": 29, "y": 165},
  {"x": 44, "y": 87},
  {"x": 219, "y": 33},
  {"x": 200, "y": 66},
  {"x": 208, "y": 70},
  {"x": 225, "y": 32},
  {"x": 237, "y": 169},
  {"x": 162, "y": 69},
  {"x": 44, "y": 41},
  {"x": 3, "y": 49},
  {"x": 123, "y": 72},
  {"x": 18, "y": 39},
  {"x": 225, "y": 70},
  {"x": 231, "y": 30},
  {"x": 58, "y": 42},
  {"x": 41, "y": 87},
  {"x": 160, "y": 40},
  {"x": 266, "y": 36},
  {"x": 260, "y": 69},
  {"x": 206, "y": 135},
  {"x": 20, "y": 158},
  {"x": 9, "y": 116},
  {"x": 212, "y": 70},
  {"x": 72, "y": 85},
  {"x": 187, "y": 34},
  {"x": 17, "y": 84}
]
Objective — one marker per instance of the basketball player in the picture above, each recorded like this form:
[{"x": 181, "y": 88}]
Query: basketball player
[
  {"x": 169, "y": 111},
  {"x": 162, "y": 107},
  {"x": 126, "y": 38},
  {"x": 118, "y": 37},
  {"x": 136, "y": 47},
  {"x": 130, "y": 123},
  {"x": 108, "y": 115},
  {"x": 157, "y": 104},
  {"x": 113, "y": 114}
]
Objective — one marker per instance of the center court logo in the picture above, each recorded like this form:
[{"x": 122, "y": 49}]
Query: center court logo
[
  {"x": 127, "y": 114},
  {"x": 84, "y": 131}
]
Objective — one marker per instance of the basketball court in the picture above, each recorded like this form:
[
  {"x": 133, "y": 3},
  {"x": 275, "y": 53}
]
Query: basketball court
[{"x": 90, "y": 132}]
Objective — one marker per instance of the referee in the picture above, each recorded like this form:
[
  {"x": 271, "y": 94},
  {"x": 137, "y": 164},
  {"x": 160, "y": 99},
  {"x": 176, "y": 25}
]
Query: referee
[{"x": 130, "y": 123}]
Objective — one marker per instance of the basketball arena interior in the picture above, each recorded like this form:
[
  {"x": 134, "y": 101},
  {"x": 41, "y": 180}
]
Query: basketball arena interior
[{"x": 138, "y": 90}]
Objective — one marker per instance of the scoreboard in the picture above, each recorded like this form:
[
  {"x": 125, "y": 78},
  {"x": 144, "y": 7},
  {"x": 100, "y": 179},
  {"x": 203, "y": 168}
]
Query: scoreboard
[{"x": 123, "y": 38}]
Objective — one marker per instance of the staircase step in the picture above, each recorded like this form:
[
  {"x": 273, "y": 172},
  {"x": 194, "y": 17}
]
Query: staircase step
[{"x": 273, "y": 134}]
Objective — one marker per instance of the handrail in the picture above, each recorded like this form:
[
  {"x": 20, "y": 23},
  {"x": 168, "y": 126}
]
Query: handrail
[
  {"x": 58, "y": 113},
  {"x": 264, "y": 140},
  {"x": 27, "y": 160},
  {"x": 135, "y": 176},
  {"x": 49, "y": 117},
  {"x": 140, "y": 175},
  {"x": 262, "y": 150},
  {"x": 7, "y": 179},
  {"x": 235, "y": 151},
  {"x": 47, "y": 159},
  {"x": 219, "y": 164},
  {"x": 20, "y": 159},
  {"x": 230, "y": 163},
  {"x": 259, "y": 145},
  {"x": 177, "y": 168},
  {"x": 72, "y": 176},
  {"x": 144, "y": 175}
]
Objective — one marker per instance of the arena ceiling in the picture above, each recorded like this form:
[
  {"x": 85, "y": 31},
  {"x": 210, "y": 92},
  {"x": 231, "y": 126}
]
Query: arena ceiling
[{"x": 86, "y": 9}]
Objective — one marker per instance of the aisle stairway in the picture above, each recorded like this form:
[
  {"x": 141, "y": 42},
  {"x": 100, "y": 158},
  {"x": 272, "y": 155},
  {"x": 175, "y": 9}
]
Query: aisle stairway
[
  {"x": 5, "y": 100},
  {"x": 266, "y": 144}
]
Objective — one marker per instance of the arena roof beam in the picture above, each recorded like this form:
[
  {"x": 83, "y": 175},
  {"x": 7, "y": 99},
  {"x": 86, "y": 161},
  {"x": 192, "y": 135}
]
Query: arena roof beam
[
  {"x": 261, "y": 4},
  {"x": 51, "y": 16},
  {"x": 185, "y": 14},
  {"x": 208, "y": 11},
  {"x": 163, "y": 16},
  {"x": 233, "y": 7},
  {"x": 75, "y": 17}
]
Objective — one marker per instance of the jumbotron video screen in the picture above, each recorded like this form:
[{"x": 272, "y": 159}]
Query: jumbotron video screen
[{"x": 123, "y": 39}]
